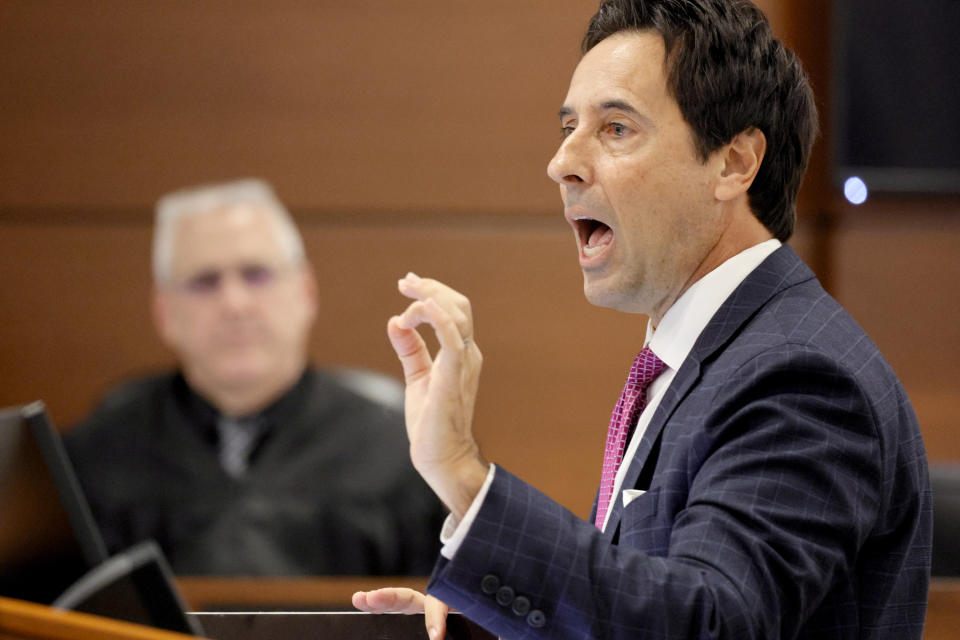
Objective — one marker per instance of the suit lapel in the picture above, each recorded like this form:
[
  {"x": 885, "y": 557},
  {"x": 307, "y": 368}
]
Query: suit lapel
[{"x": 782, "y": 269}]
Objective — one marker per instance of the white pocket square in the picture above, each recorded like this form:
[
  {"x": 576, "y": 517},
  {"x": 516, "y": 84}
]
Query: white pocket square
[{"x": 629, "y": 495}]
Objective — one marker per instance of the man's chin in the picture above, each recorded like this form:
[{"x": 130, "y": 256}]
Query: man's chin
[
  {"x": 239, "y": 375},
  {"x": 602, "y": 292},
  {"x": 598, "y": 292}
]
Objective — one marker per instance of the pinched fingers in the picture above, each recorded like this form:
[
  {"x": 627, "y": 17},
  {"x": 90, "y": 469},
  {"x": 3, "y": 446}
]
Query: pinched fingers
[
  {"x": 452, "y": 302},
  {"x": 439, "y": 306},
  {"x": 449, "y": 334}
]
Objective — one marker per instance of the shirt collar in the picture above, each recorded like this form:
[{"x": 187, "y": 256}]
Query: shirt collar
[
  {"x": 201, "y": 413},
  {"x": 683, "y": 323}
]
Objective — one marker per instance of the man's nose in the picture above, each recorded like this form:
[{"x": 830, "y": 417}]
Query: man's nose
[
  {"x": 234, "y": 293},
  {"x": 570, "y": 164}
]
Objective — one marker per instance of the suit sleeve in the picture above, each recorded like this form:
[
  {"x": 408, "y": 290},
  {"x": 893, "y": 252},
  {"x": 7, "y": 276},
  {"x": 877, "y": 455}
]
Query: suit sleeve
[{"x": 766, "y": 487}]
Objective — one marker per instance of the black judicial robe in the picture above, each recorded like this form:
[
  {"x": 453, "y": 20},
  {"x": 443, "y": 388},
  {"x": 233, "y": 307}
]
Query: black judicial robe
[{"x": 330, "y": 489}]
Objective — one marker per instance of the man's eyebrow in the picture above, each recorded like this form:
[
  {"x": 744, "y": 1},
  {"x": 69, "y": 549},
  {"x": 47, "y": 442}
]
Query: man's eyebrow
[
  {"x": 619, "y": 105},
  {"x": 609, "y": 105}
]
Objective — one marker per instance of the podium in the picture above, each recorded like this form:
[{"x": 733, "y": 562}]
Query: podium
[
  {"x": 20, "y": 620},
  {"x": 333, "y": 594}
]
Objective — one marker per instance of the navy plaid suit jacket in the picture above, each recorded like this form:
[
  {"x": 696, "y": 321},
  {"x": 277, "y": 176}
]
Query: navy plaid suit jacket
[{"x": 786, "y": 497}]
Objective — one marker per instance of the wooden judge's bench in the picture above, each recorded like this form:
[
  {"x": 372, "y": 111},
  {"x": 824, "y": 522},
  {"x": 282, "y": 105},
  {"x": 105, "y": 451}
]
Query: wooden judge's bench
[{"x": 238, "y": 609}]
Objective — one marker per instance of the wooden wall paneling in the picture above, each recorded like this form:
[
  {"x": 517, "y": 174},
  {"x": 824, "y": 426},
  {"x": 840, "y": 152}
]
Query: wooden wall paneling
[
  {"x": 806, "y": 29},
  {"x": 393, "y": 105},
  {"x": 74, "y": 312}
]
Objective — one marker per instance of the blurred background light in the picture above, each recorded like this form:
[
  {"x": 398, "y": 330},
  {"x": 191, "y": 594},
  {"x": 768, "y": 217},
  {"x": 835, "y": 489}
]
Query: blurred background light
[{"x": 855, "y": 190}]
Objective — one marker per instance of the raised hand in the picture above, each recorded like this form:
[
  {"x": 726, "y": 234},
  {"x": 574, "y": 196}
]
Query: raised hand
[{"x": 441, "y": 390}]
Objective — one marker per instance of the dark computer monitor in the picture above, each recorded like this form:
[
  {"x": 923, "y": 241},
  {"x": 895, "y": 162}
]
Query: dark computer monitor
[
  {"x": 48, "y": 538},
  {"x": 895, "y": 86},
  {"x": 50, "y": 548}
]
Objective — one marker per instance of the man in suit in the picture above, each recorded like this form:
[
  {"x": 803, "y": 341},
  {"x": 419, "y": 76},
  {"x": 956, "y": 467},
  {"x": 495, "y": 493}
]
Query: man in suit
[
  {"x": 246, "y": 460},
  {"x": 773, "y": 481}
]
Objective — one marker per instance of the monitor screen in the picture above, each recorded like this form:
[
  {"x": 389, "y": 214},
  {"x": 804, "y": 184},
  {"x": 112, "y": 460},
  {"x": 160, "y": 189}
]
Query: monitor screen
[{"x": 47, "y": 536}]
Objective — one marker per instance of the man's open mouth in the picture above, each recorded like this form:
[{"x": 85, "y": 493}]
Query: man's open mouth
[{"x": 594, "y": 236}]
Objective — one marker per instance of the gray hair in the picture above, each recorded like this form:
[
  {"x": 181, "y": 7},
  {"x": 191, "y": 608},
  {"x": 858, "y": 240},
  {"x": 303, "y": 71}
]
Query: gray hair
[{"x": 205, "y": 199}]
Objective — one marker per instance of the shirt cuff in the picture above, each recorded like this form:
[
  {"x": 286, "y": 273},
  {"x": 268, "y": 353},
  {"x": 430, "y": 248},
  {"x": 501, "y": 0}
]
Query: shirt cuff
[{"x": 452, "y": 535}]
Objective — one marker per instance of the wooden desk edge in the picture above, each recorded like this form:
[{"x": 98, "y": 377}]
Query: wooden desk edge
[
  {"x": 19, "y": 619},
  {"x": 202, "y": 593}
]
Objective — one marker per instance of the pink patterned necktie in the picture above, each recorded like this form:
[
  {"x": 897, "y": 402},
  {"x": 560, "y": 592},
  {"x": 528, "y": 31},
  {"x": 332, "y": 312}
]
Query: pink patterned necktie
[{"x": 633, "y": 398}]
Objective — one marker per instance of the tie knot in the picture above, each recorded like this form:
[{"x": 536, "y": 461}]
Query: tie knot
[
  {"x": 231, "y": 423},
  {"x": 238, "y": 437},
  {"x": 646, "y": 367}
]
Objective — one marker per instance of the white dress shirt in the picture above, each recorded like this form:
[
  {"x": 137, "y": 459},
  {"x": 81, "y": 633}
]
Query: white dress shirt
[{"x": 671, "y": 341}]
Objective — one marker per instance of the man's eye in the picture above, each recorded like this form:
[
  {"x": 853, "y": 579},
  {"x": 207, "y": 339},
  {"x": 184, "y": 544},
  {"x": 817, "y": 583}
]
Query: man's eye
[
  {"x": 257, "y": 275},
  {"x": 566, "y": 131},
  {"x": 205, "y": 282},
  {"x": 617, "y": 129}
]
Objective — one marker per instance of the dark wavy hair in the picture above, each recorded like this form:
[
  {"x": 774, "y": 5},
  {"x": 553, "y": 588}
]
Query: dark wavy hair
[{"x": 729, "y": 74}]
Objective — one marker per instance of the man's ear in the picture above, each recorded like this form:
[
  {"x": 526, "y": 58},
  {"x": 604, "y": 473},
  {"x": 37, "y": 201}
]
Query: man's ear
[
  {"x": 310, "y": 290},
  {"x": 741, "y": 162}
]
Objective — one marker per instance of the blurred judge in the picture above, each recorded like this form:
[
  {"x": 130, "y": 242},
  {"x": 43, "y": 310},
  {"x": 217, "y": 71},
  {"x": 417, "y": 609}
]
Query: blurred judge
[{"x": 246, "y": 460}]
